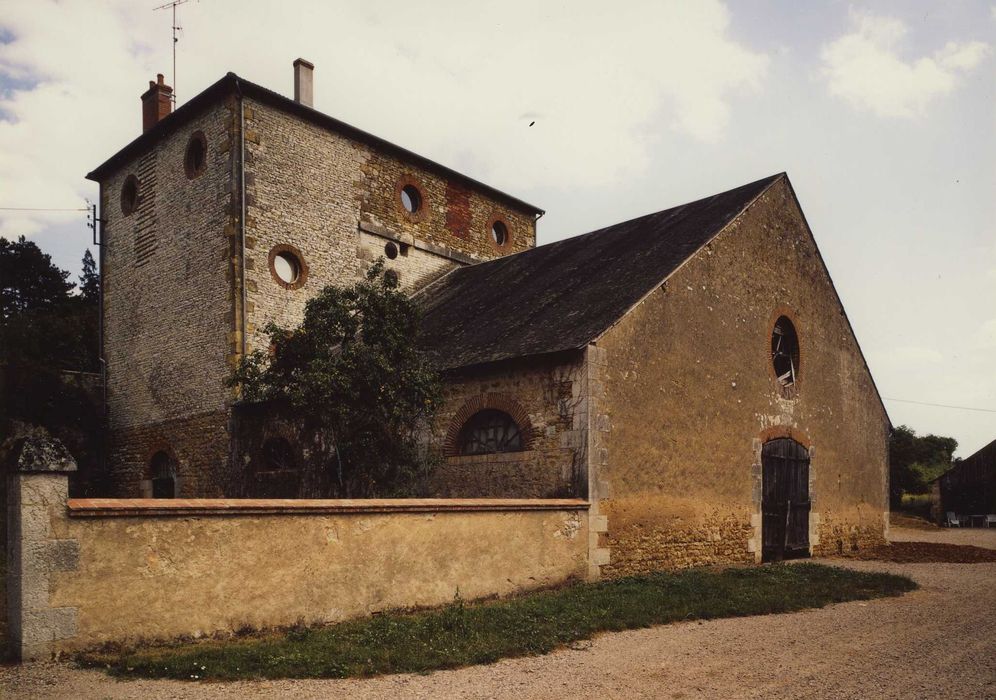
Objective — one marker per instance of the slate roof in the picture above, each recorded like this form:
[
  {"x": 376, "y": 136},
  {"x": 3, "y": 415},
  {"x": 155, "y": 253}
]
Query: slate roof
[{"x": 563, "y": 295}]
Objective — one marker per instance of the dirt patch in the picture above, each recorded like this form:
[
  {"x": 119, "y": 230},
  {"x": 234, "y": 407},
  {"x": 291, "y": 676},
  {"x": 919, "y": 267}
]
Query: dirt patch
[
  {"x": 914, "y": 522},
  {"x": 926, "y": 552}
]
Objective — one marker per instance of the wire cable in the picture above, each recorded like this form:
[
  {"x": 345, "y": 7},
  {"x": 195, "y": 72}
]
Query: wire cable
[
  {"x": 40, "y": 209},
  {"x": 942, "y": 405}
]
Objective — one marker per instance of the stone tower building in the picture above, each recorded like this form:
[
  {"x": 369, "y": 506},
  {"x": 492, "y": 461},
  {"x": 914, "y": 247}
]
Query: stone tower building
[{"x": 230, "y": 212}]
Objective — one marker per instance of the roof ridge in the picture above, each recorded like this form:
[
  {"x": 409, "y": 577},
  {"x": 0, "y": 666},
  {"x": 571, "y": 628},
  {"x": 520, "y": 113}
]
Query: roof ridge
[
  {"x": 578, "y": 236},
  {"x": 562, "y": 295},
  {"x": 188, "y": 110}
]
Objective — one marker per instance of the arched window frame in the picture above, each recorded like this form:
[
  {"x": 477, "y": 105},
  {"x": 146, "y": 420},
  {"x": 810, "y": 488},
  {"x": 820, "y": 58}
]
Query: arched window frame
[
  {"x": 497, "y": 401},
  {"x": 788, "y": 390},
  {"x": 163, "y": 479},
  {"x": 490, "y": 431}
]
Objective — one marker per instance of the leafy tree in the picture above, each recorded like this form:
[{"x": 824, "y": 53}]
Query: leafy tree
[
  {"x": 352, "y": 374},
  {"x": 42, "y": 325},
  {"x": 29, "y": 282},
  {"x": 44, "y": 331},
  {"x": 89, "y": 280},
  {"x": 916, "y": 460}
]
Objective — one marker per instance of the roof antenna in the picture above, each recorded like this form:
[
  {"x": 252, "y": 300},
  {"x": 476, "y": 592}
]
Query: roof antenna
[{"x": 176, "y": 28}]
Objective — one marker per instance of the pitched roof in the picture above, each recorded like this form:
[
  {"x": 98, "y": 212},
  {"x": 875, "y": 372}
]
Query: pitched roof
[
  {"x": 563, "y": 295},
  {"x": 232, "y": 83}
]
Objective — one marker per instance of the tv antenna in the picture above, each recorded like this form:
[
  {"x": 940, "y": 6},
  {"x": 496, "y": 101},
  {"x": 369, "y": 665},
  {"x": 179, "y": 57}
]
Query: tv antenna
[{"x": 176, "y": 28}]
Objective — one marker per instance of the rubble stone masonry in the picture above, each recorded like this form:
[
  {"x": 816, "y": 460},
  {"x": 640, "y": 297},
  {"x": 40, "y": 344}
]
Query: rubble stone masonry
[
  {"x": 168, "y": 300},
  {"x": 174, "y": 267},
  {"x": 337, "y": 201},
  {"x": 543, "y": 397}
]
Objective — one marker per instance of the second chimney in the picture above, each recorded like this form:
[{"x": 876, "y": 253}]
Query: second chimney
[
  {"x": 304, "y": 76},
  {"x": 157, "y": 102}
]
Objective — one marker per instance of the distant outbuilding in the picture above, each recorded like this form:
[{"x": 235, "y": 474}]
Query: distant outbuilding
[{"x": 967, "y": 490}]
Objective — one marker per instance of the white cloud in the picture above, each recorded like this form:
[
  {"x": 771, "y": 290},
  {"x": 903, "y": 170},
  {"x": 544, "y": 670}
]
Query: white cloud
[
  {"x": 865, "y": 68},
  {"x": 451, "y": 80}
]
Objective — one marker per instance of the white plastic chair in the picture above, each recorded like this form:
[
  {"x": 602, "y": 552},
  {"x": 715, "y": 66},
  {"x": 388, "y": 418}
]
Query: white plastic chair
[{"x": 953, "y": 520}]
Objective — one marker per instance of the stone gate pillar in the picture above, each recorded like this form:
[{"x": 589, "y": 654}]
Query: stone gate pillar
[{"x": 38, "y": 468}]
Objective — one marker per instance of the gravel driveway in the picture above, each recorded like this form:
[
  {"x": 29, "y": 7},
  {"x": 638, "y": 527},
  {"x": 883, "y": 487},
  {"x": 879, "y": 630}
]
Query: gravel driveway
[
  {"x": 980, "y": 537},
  {"x": 939, "y": 641}
]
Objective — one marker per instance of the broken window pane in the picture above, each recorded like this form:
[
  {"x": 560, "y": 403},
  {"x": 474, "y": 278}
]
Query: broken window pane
[
  {"x": 490, "y": 431},
  {"x": 785, "y": 351}
]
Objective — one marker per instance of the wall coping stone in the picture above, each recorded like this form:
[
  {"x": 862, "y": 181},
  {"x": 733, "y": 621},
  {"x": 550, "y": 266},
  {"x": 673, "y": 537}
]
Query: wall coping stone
[{"x": 184, "y": 507}]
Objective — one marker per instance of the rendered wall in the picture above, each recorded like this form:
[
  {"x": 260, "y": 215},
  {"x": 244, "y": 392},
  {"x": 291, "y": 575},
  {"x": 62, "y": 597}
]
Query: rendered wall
[
  {"x": 104, "y": 570},
  {"x": 689, "y": 397}
]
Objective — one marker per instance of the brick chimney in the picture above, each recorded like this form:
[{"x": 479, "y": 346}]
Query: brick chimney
[
  {"x": 157, "y": 102},
  {"x": 304, "y": 74}
]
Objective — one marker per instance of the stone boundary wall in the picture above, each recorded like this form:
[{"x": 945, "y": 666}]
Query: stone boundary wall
[{"x": 88, "y": 571}]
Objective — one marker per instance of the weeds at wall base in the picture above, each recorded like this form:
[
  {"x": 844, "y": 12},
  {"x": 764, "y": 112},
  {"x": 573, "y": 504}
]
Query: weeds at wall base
[{"x": 463, "y": 634}]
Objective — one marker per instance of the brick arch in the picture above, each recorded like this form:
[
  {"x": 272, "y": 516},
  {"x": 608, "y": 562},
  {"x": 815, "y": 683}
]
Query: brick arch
[
  {"x": 153, "y": 450},
  {"x": 784, "y": 431},
  {"x": 496, "y": 401}
]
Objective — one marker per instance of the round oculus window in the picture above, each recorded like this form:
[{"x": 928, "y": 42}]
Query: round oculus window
[
  {"x": 499, "y": 233},
  {"x": 195, "y": 158},
  {"x": 287, "y": 267},
  {"x": 391, "y": 250},
  {"x": 411, "y": 199},
  {"x": 129, "y": 195}
]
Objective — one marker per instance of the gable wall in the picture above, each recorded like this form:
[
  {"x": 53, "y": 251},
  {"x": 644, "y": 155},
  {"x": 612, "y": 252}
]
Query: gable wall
[
  {"x": 168, "y": 298},
  {"x": 689, "y": 398}
]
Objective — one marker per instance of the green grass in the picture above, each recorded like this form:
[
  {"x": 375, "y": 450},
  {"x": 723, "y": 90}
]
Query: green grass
[{"x": 463, "y": 634}]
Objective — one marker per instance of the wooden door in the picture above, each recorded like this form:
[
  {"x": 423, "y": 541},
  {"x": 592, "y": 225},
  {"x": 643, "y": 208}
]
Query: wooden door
[{"x": 785, "y": 501}]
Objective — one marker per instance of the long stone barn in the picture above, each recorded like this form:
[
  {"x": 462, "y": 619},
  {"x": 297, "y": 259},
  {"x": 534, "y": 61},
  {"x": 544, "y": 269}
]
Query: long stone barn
[{"x": 691, "y": 373}]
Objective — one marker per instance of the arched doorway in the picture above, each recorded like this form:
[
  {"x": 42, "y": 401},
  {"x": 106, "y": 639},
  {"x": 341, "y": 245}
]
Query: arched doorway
[
  {"x": 162, "y": 475},
  {"x": 785, "y": 500}
]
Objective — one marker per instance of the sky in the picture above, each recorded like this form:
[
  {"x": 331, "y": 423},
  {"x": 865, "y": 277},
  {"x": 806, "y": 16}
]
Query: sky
[{"x": 882, "y": 114}]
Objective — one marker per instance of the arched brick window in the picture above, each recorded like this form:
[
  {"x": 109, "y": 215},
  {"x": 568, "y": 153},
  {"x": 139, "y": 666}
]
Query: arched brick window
[
  {"x": 490, "y": 431},
  {"x": 489, "y": 423}
]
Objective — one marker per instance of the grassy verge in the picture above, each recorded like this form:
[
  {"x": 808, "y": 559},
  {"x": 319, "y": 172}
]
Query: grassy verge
[{"x": 464, "y": 634}]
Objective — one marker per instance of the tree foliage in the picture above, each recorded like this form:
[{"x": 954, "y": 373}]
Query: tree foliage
[
  {"x": 916, "y": 460},
  {"x": 89, "y": 280},
  {"x": 46, "y": 331},
  {"x": 43, "y": 325},
  {"x": 29, "y": 281},
  {"x": 352, "y": 373}
]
